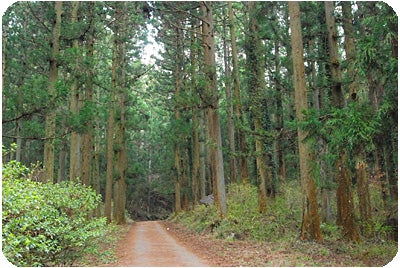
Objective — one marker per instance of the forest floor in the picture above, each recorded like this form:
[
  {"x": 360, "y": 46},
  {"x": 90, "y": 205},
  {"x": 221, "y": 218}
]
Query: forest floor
[{"x": 165, "y": 243}]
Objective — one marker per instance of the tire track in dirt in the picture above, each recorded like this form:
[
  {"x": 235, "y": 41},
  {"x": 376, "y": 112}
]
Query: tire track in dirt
[{"x": 149, "y": 244}]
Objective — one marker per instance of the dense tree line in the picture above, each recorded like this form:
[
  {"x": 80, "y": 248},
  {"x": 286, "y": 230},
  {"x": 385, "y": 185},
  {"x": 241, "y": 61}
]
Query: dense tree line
[{"x": 241, "y": 92}]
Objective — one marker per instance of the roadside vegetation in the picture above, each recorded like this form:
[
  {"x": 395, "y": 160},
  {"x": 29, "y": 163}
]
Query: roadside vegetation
[
  {"x": 280, "y": 226},
  {"x": 46, "y": 224}
]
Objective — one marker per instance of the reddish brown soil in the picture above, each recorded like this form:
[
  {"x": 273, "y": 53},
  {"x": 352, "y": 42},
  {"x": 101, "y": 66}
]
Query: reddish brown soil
[
  {"x": 223, "y": 252},
  {"x": 166, "y": 243},
  {"x": 219, "y": 252},
  {"x": 150, "y": 244}
]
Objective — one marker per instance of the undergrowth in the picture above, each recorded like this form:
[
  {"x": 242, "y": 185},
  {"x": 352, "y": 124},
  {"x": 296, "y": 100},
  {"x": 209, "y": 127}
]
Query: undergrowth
[
  {"x": 45, "y": 224},
  {"x": 243, "y": 221},
  {"x": 105, "y": 249},
  {"x": 281, "y": 225}
]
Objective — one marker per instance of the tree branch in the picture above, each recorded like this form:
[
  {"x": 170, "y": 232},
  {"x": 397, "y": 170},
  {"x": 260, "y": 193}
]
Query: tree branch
[{"x": 34, "y": 111}]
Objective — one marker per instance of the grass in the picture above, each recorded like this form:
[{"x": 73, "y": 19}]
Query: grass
[{"x": 105, "y": 252}]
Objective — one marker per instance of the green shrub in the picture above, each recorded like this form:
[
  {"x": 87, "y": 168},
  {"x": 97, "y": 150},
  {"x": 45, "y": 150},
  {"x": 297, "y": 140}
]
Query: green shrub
[
  {"x": 46, "y": 224},
  {"x": 243, "y": 221}
]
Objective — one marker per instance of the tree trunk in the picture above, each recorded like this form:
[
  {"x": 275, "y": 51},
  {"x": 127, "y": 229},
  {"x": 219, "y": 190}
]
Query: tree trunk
[
  {"x": 257, "y": 92},
  {"x": 195, "y": 117},
  {"x": 50, "y": 124},
  {"x": 87, "y": 143},
  {"x": 208, "y": 161},
  {"x": 279, "y": 126},
  {"x": 111, "y": 133},
  {"x": 110, "y": 159},
  {"x": 5, "y": 28},
  {"x": 178, "y": 148},
  {"x": 18, "y": 129},
  {"x": 75, "y": 157},
  {"x": 121, "y": 164},
  {"x": 310, "y": 228},
  {"x": 185, "y": 177},
  {"x": 350, "y": 49},
  {"x": 96, "y": 159},
  {"x": 62, "y": 159},
  {"x": 177, "y": 181},
  {"x": 196, "y": 158},
  {"x": 211, "y": 100},
  {"x": 202, "y": 160},
  {"x": 346, "y": 215},
  {"x": 345, "y": 206},
  {"x": 243, "y": 168},
  {"x": 322, "y": 152},
  {"x": 361, "y": 165},
  {"x": 229, "y": 113},
  {"x": 363, "y": 189},
  {"x": 334, "y": 65},
  {"x": 261, "y": 170}
]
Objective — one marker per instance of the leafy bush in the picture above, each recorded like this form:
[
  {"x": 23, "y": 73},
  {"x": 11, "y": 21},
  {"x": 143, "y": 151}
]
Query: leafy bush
[{"x": 46, "y": 224}]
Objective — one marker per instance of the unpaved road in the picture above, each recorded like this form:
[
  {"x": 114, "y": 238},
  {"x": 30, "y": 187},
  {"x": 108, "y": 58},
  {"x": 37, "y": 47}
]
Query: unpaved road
[{"x": 149, "y": 244}]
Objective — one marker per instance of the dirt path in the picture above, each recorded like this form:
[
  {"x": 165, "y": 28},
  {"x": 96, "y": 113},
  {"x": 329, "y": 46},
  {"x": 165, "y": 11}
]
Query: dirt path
[{"x": 149, "y": 244}]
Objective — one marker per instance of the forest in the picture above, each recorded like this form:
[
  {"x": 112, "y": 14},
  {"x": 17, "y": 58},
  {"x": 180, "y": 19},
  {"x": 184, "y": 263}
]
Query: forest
[{"x": 261, "y": 119}]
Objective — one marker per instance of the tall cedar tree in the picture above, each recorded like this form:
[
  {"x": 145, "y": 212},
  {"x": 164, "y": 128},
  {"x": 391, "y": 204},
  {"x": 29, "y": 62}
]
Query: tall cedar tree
[
  {"x": 241, "y": 138},
  {"x": 50, "y": 127},
  {"x": 75, "y": 156},
  {"x": 177, "y": 146},
  {"x": 345, "y": 204},
  {"x": 210, "y": 97},
  {"x": 257, "y": 89},
  {"x": 88, "y": 135},
  {"x": 310, "y": 228},
  {"x": 120, "y": 66},
  {"x": 353, "y": 87},
  {"x": 229, "y": 100}
]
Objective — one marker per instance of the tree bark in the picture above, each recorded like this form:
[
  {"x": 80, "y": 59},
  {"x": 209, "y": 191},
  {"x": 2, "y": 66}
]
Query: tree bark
[
  {"x": 177, "y": 146},
  {"x": 243, "y": 168},
  {"x": 279, "y": 141},
  {"x": 50, "y": 120},
  {"x": 120, "y": 37},
  {"x": 110, "y": 159},
  {"x": 334, "y": 65},
  {"x": 5, "y": 28},
  {"x": 111, "y": 133},
  {"x": 196, "y": 158},
  {"x": 363, "y": 189},
  {"x": 195, "y": 117},
  {"x": 96, "y": 154},
  {"x": 257, "y": 91},
  {"x": 345, "y": 205},
  {"x": 75, "y": 157},
  {"x": 87, "y": 143},
  {"x": 310, "y": 229},
  {"x": 177, "y": 180},
  {"x": 353, "y": 85},
  {"x": 62, "y": 159},
  {"x": 202, "y": 160},
  {"x": 210, "y": 96},
  {"x": 229, "y": 100},
  {"x": 346, "y": 215}
]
